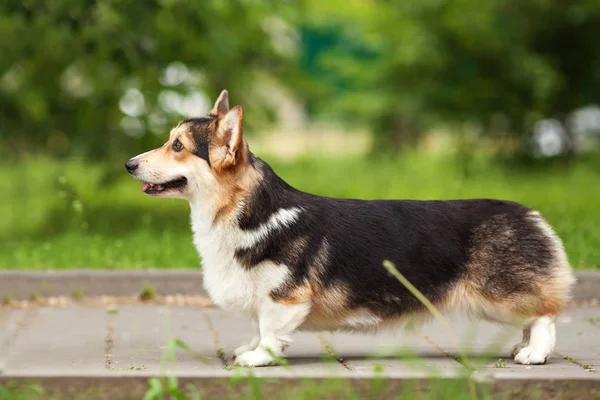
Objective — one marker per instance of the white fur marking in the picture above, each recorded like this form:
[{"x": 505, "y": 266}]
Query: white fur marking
[
  {"x": 541, "y": 342},
  {"x": 361, "y": 319},
  {"x": 279, "y": 219}
]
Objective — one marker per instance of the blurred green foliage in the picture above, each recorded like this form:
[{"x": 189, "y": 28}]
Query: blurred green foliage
[
  {"x": 99, "y": 77},
  {"x": 67, "y": 67},
  {"x": 501, "y": 65}
]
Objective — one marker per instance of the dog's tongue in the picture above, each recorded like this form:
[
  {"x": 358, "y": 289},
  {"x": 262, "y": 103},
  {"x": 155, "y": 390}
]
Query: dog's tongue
[{"x": 145, "y": 186}]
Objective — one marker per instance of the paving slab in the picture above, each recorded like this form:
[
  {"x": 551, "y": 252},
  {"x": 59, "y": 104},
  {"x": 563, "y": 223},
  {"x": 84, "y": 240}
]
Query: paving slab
[
  {"x": 578, "y": 338},
  {"x": 141, "y": 335},
  {"x": 77, "y": 344},
  {"x": 10, "y": 321},
  {"x": 58, "y": 340}
]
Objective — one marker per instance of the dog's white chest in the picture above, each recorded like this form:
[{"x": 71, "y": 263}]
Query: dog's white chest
[
  {"x": 227, "y": 283},
  {"x": 231, "y": 285}
]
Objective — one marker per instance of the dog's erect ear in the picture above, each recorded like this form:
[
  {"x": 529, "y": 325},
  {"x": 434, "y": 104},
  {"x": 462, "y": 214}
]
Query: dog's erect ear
[
  {"x": 229, "y": 139},
  {"x": 221, "y": 105}
]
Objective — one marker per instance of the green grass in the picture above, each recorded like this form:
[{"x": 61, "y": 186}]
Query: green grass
[
  {"x": 249, "y": 387},
  {"x": 72, "y": 214},
  {"x": 14, "y": 391}
]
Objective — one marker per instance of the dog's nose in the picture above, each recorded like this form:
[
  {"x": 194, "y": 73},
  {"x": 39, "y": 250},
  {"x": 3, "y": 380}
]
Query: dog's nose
[{"x": 131, "y": 165}]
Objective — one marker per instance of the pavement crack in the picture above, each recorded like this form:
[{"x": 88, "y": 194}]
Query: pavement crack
[
  {"x": 109, "y": 346},
  {"x": 447, "y": 354},
  {"x": 586, "y": 367},
  {"x": 331, "y": 352},
  {"x": 218, "y": 349}
]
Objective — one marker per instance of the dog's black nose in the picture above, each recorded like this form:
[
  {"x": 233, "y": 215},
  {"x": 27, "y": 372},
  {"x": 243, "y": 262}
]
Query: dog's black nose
[{"x": 131, "y": 165}]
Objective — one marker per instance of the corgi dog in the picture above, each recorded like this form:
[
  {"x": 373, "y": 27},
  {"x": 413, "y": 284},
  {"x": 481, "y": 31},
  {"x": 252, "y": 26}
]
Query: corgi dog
[{"x": 291, "y": 260}]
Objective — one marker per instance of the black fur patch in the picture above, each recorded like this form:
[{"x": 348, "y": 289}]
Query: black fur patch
[
  {"x": 201, "y": 131},
  {"x": 432, "y": 243}
]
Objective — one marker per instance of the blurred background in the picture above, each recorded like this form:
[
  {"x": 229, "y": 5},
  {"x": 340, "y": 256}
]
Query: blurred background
[{"x": 421, "y": 99}]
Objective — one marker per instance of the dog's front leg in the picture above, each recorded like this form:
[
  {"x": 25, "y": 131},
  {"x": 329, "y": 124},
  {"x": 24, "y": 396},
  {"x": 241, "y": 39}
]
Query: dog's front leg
[{"x": 277, "y": 323}]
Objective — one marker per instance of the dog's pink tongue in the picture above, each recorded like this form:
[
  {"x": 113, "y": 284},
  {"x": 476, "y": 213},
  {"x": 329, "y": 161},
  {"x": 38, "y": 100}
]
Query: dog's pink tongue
[{"x": 145, "y": 186}]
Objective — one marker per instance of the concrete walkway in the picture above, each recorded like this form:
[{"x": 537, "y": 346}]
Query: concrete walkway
[{"x": 82, "y": 342}]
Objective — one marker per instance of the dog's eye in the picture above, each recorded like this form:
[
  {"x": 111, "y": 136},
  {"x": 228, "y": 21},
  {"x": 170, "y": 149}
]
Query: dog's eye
[{"x": 177, "y": 145}]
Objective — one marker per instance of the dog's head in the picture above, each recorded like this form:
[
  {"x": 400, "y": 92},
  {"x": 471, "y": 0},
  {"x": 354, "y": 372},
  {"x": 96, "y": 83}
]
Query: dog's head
[{"x": 203, "y": 158}]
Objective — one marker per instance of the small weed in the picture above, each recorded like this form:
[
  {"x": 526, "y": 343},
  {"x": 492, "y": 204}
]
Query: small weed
[
  {"x": 159, "y": 388},
  {"x": 220, "y": 353},
  {"x": 282, "y": 362},
  {"x": 112, "y": 310},
  {"x": 183, "y": 346},
  {"x": 222, "y": 357},
  {"x": 35, "y": 296},
  {"x": 7, "y": 300},
  {"x": 148, "y": 292},
  {"x": 167, "y": 386},
  {"x": 500, "y": 364},
  {"x": 569, "y": 359},
  {"x": 593, "y": 320},
  {"x": 586, "y": 366},
  {"x": 133, "y": 368},
  {"x": 77, "y": 294}
]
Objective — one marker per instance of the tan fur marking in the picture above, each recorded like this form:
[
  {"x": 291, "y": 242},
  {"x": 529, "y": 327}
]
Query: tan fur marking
[
  {"x": 235, "y": 186},
  {"x": 300, "y": 294},
  {"x": 166, "y": 150},
  {"x": 463, "y": 296},
  {"x": 329, "y": 306}
]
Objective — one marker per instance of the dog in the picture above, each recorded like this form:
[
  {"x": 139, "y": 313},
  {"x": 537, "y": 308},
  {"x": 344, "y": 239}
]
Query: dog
[{"x": 292, "y": 261}]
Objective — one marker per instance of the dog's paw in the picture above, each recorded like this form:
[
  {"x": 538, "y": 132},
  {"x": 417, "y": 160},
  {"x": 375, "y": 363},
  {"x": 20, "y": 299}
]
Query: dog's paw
[
  {"x": 527, "y": 355},
  {"x": 254, "y": 358},
  {"x": 518, "y": 348},
  {"x": 242, "y": 349}
]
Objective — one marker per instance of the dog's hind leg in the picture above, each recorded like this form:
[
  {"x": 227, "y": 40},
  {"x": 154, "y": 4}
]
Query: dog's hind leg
[
  {"x": 524, "y": 341},
  {"x": 277, "y": 322},
  {"x": 541, "y": 342}
]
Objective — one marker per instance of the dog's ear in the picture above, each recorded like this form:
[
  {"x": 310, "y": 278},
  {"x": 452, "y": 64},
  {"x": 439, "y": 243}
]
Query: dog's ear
[
  {"x": 229, "y": 140},
  {"x": 221, "y": 105}
]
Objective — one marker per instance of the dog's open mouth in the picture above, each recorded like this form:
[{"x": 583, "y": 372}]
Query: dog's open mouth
[{"x": 155, "y": 188}]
